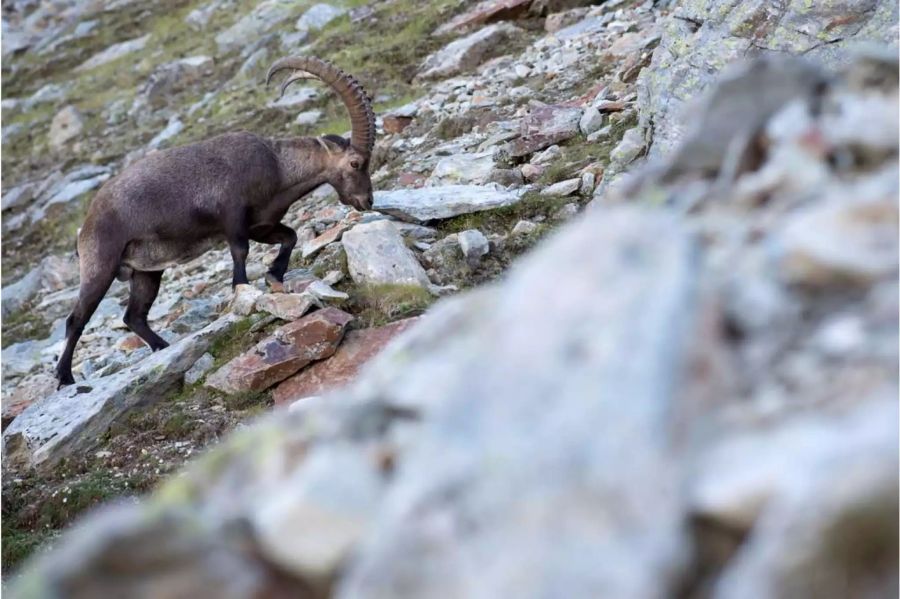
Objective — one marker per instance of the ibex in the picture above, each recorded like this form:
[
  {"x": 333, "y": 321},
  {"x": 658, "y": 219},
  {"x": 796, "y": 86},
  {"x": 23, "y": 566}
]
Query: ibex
[{"x": 171, "y": 206}]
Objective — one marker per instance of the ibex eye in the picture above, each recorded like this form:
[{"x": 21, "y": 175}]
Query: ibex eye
[{"x": 354, "y": 164}]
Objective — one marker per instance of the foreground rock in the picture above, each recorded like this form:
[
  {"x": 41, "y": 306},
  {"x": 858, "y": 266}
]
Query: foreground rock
[
  {"x": 432, "y": 203},
  {"x": 75, "y": 418},
  {"x": 471, "y": 362},
  {"x": 286, "y": 351},
  {"x": 376, "y": 255},
  {"x": 357, "y": 349}
]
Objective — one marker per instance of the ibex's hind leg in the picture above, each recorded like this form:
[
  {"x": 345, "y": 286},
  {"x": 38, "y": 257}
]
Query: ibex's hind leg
[
  {"x": 281, "y": 234},
  {"x": 144, "y": 288},
  {"x": 95, "y": 282}
]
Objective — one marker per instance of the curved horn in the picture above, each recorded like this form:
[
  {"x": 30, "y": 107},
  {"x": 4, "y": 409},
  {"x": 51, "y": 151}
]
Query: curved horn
[{"x": 362, "y": 117}]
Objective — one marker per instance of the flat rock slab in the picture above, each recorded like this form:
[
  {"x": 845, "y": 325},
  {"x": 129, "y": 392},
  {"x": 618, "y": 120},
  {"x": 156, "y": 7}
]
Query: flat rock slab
[
  {"x": 74, "y": 418},
  {"x": 357, "y": 348},
  {"x": 446, "y": 201},
  {"x": 280, "y": 355},
  {"x": 286, "y": 306},
  {"x": 545, "y": 126},
  {"x": 376, "y": 255},
  {"x": 485, "y": 12},
  {"x": 468, "y": 52}
]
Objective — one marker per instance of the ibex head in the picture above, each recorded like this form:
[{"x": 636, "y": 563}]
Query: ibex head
[{"x": 347, "y": 163}]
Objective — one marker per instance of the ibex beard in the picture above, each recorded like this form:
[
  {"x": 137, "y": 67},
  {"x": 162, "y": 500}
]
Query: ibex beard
[{"x": 171, "y": 206}]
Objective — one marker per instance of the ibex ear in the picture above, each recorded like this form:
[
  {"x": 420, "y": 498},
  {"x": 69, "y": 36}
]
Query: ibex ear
[{"x": 333, "y": 144}]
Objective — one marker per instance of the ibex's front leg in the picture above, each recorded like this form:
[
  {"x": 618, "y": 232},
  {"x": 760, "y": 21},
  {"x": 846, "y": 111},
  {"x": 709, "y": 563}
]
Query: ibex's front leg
[
  {"x": 240, "y": 247},
  {"x": 272, "y": 234}
]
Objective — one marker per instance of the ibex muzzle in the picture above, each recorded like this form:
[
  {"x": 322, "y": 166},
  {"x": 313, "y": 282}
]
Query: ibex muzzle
[{"x": 171, "y": 206}]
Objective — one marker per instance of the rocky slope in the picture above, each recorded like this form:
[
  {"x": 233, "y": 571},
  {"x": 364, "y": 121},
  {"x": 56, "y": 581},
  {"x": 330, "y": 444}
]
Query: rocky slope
[{"x": 689, "y": 384}]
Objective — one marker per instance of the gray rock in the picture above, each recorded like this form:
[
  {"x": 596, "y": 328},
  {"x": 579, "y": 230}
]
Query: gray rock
[
  {"x": 286, "y": 306},
  {"x": 72, "y": 189},
  {"x": 813, "y": 516},
  {"x": 175, "y": 76},
  {"x": 21, "y": 358},
  {"x": 631, "y": 146},
  {"x": 468, "y": 52},
  {"x": 173, "y": 128},
  {"x": 591, "y": 121},
  {"x": 65, "y": 126},
  {"x": 474, "y": 245},
  {"x": 563, "y": 188},
  {"x": 19, "y": 294},
  {"x": 308, "y": 117},
  {"x": 463, "y": 168},
  {"x": 430, "y": 203},
  {"x": 323, "y": 292},
  {"x": 523, "y": 227},
  {"x": 18, "y": 196},
  {"x": 472, "y": 362},
  {"x": 588, "y": 181},
  {"x": 74, "y": 419},
  {"x": 544, "y": 126},
  {"x": 843, "y": 242},
  {"x": 295, "y": 98},
  {"x": 507, "y": 177},
  {"x": 196, "y": 372},
  {"x": 244, "y": 299},
  {"x": 311, "y": 526},
  {"x": 114, "y": 52},
  {"x": 253, "y": 25},
  {"x": 319, "y": 15},
  {"x": 377, "y": 255}
]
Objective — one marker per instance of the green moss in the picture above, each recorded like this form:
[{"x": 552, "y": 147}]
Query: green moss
[
  {"x": 23, "y": 325},
  {"x": 375, "y": 305},
  {"x": 18, "y": 544},
  {"x": 453, "y": 127},
  {"x": 232, "y": 343},
  {"x": 177, "y": 426},
  {"x": 500, "y": 220},
  {"x": 247, "y": 400}
]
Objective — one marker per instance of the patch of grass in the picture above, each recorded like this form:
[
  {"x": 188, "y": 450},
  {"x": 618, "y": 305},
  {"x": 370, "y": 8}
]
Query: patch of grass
[
  {"x": 500, "y": 220},
  {"x": 23, "y": 325},
  {"x": 375, "y": 305},
  {"x": 397, "y": 38},
  {"x": 576, "y": 155},
  {"x": 177, "y": 426},
  {"x": 455, "y": 126},
  {"x": 231, "y": 343},
  {"x": 19, "y": 544},
  {"x": 247, "y": 400}
]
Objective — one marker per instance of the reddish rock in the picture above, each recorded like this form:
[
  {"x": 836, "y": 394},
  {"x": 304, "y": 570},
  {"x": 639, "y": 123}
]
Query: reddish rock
[
  {"x": 328, "y": 236},
  {"x": 24, "y": 394},
  {"x": 545, "y": 126},
  {"x": 407, "y": 180},
  {"x": 395, "y": 124},
  {"x": 611, "y": 105},
  {"x": 130, "y": 343},
  {"x": 357, "y": 348},
  {"x": 286, "y": 351},
  {"x": 487, "y": 11}
]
